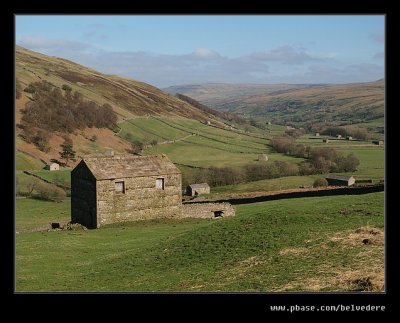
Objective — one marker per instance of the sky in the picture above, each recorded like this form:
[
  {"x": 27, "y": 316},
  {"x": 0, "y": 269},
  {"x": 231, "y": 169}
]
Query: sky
[{"x": 166, "y": 50}]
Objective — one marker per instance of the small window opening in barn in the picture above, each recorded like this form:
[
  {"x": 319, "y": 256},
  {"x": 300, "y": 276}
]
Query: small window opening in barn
[
  {"x": 160, "y": 183},
  {"x": 120, "y": 187},
  {"x": 218, "y": 214}
]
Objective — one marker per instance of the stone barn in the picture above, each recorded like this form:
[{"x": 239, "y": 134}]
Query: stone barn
[
  {"x": 53, "y": 166},
  {"x": 124, "y": 188},
  {"x": 262, "y": 157},
  {"x": 335, "y": 180},
  {"x": 197, "y": 189}
]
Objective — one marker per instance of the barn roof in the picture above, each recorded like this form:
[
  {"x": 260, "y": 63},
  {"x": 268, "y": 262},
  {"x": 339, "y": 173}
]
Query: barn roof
[
  {"x": 197, "y": 186},
  {"x": 338, "y": 177},
  {"x": 121, "y": 166}
]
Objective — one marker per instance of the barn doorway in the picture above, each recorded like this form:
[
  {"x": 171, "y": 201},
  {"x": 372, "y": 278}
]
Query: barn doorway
[{"x": 218, "y": 214}]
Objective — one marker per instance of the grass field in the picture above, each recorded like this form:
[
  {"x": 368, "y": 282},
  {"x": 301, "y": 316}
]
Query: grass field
[
  {"x": 266, "y": 185},
  {"x": 63, "y": 176},
  {"x": 197, "y": 144},
  {"x": 288, "y": 245},
  {"x": 26, "y": 162},
  {"x": 372, "y": 157},
  {"x": 32, "y": 214},
  {"x": 209, "y": 146},
  {"x": 372, "y": 161}
]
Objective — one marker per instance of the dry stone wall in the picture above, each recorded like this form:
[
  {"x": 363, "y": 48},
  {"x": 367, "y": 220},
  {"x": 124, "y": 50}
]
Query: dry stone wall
[{"x": 207, "y": 210}]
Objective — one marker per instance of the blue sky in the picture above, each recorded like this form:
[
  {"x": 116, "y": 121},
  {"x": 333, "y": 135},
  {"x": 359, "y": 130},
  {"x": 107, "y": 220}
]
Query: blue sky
[{"x": 169, "y": 50}]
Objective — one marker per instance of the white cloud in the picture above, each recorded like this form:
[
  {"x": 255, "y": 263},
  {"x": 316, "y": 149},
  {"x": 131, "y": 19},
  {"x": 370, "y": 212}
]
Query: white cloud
[
  {"x": 286, "y": 55},
  {"x": 51, "y": 46},
  {"x": 205, "y": 53},
  {"x": 285, "y": 64},
  {"x": 40, "y": 42}
]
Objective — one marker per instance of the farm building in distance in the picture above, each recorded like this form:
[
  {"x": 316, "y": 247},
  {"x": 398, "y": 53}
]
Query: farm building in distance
[
  {"x": 197, "y": 189},
  {"x": 335, "y": 180},
  {"x": 377, "y": 142},
  {"x": 317, "y": 134},
  {"x": 53, "y": 166},
  {"x": 124, "y": 188},
  {"x": 263, "y": 157}
]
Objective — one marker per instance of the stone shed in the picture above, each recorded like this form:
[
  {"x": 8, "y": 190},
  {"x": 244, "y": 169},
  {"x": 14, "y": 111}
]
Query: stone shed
[
  {"x": 198, "y": 189},
  {"x": 124, "y": 188},
  {"x": 53, "y": 166}
]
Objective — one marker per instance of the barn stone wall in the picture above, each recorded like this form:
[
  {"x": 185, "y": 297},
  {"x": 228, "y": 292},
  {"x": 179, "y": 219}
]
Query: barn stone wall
[
  {"x": 141, "y": 200},
  {"x": 206, "y": 210},
  {"x": 83, "y": 197}
]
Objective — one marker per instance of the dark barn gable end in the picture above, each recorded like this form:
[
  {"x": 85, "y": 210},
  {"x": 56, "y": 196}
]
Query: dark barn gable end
[{"x": 124, "y": 188}]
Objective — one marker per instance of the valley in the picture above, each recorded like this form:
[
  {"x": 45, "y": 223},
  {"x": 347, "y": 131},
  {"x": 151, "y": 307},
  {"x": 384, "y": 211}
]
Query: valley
[{"x": 267, "y": 246}]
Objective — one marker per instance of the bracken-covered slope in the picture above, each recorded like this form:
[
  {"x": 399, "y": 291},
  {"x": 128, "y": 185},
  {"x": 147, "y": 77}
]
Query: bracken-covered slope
[{"x": 127, "y": 97}]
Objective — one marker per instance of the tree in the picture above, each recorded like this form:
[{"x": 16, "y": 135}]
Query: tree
[
  {"x": 320, "y": 182},
  {"x": 66, "y": 88},
  {"x": 67, "y": 152},
  {"x": 41, "y": 140},
  {"x": 31, "y": 185},
  {"x": 49, "y": 192},
  {"x": 137, "y": 147}
]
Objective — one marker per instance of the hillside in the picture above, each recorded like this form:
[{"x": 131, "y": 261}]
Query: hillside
[
  {"x": 217, "y": 94},
  {"x": 306, "y": 244},
  {"x": 339, "y": 104},
  {"x": 128, "y": 98}
]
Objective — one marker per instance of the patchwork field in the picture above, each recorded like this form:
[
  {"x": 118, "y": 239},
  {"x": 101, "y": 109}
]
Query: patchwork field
[
  {"x": 192, "y": 143},
  {"x": 309, "y": 244}
]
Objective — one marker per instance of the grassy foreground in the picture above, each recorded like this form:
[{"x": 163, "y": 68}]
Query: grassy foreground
[{"x": 313, "y": 244}]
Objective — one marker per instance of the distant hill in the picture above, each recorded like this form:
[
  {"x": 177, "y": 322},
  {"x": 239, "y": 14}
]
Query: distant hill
[
  {"x": 128, "y": 98},
  {"x": 217, "y": 94},
  {"x": 340, "y": 104}
]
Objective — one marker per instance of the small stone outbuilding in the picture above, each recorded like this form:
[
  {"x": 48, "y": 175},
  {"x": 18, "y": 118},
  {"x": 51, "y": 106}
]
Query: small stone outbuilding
[
  {"x": 53, "y": 167},
  {"x": 198, "y": 189},
  {"x": 124, "y": 188}
]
